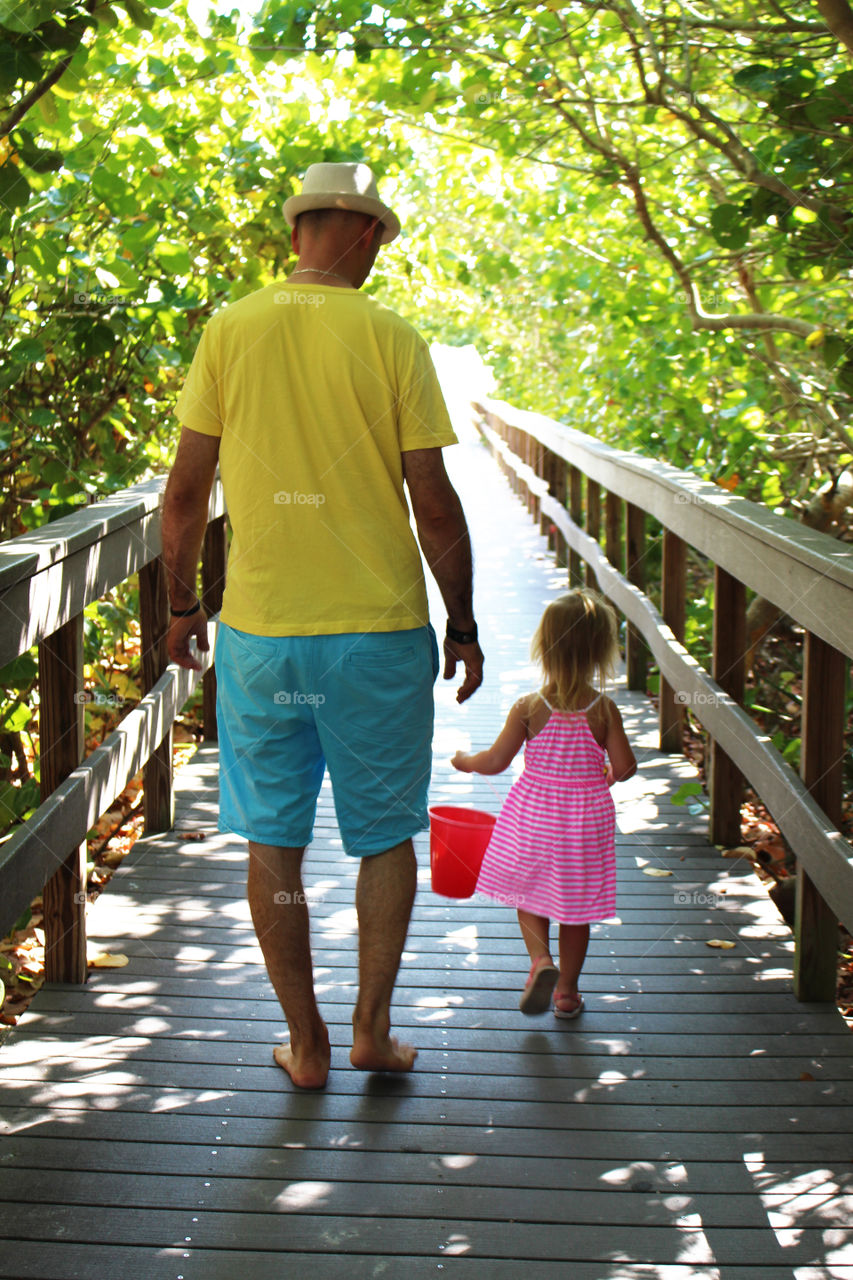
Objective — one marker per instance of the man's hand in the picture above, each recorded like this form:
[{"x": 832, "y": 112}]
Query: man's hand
[
  {"x": 181, "y": 631},
  {"x": 472, "y": 656}
]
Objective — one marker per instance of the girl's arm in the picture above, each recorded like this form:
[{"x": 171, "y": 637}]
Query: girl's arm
[
  {"x": 503, "y": 750},
  {"x": 622, "y": 763}
]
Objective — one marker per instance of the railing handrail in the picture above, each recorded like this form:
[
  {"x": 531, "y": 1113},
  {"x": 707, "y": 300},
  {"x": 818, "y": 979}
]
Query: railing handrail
[
  {"x": 47, "y": 578},
  {"x": 771, "y": 554}
]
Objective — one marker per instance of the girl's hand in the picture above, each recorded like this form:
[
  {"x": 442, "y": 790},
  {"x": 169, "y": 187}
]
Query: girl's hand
[
  {"x": 462, "y": 762},
  {"x": 608, "y": 776}
]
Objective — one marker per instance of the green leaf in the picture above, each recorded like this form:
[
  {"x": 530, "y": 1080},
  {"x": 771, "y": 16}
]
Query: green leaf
[
  {"x": 844, "y": 376},
  {"x": 139, "y": 14},
  {"x": 16, "y": 718},
  {"x": 685, "y": 791},
  {"x": 15, "y": 191},
  {"x": 27, "y": 351},
  {"x": 19, "y": 673},
  {"x": 728, "y": 226}
]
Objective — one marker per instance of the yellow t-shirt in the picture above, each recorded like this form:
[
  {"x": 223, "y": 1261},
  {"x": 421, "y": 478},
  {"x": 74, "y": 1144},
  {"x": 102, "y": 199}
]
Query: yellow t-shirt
[{"x": 315, "y": 392}]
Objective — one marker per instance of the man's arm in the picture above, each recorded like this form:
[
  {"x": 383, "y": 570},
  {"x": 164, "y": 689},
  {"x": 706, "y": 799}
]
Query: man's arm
[
  {"x": 184, "y": 521},
  {"x": 443, "y": 535}
]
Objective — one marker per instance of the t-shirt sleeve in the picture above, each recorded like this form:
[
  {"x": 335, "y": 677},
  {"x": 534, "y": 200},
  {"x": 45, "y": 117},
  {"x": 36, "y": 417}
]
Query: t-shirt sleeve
[
  {"x": 423, "y": 420},
  {"x": 198, "y": 405}
]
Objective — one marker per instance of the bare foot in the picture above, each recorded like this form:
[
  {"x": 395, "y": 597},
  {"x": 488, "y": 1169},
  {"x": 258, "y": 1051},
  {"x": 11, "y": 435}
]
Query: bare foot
[
  {"x": 306, "y": 1070},
  {"x": 369, "y": 1054}
]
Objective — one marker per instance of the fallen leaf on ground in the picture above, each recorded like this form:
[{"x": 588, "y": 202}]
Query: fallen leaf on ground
[
  {"x": 739, "y": 851},
  {"x": 722, "y": 943},
  {"x": 656, "y": 871},
  {"x": 106, "y": 961}
]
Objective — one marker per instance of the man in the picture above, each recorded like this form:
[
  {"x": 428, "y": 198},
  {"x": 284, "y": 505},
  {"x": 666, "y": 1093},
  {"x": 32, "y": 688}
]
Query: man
[{"x": 318, "y": 404}]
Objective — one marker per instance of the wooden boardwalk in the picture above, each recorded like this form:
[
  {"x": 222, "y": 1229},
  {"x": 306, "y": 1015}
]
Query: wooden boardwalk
[{"x": 695, "y": 1121}]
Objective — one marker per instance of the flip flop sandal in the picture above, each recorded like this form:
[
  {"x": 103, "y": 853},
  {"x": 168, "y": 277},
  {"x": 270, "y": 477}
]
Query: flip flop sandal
[
  {"x": 562, "y": 1011},
  {"x": 540, "y": 984}
]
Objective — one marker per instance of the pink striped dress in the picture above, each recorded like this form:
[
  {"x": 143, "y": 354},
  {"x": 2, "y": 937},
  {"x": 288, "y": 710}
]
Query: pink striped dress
[{"x": 552, "y": 850}]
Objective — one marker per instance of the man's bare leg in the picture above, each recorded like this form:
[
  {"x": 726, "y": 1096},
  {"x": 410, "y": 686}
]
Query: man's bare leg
[
  {"x": 280, "y": 915},
  {"x": 384, "y": 897}
]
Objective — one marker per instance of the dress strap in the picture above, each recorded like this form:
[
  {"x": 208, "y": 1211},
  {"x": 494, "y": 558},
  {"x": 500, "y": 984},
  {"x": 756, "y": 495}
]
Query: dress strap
[
  {"x": 590, "y": 705},
  {"x": 545, "y": 700}
]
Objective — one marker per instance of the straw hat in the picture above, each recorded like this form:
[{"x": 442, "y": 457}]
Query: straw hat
[{"x": 342, "y": 186}]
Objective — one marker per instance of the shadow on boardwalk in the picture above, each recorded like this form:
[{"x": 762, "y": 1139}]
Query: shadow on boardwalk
[{"x": 695, "y": 1121}]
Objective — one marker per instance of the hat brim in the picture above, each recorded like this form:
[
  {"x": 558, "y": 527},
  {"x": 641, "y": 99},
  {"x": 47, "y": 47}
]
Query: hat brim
[{"x": 354, "y": 203}]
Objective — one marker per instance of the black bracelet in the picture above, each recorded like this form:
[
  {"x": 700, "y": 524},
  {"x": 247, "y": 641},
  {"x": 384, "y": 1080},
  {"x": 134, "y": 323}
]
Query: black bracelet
[
  {"x": 186, "y": 613},
  {"x": 461, "y": 637}
]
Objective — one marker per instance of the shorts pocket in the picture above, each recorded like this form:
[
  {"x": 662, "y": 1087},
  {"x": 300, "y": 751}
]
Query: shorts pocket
[{"x": 379, "y": 650}]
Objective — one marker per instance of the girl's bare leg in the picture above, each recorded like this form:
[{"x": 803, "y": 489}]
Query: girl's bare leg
[
  {"x": 574, "y": 940},
  {"x": 534, "y": 931}
]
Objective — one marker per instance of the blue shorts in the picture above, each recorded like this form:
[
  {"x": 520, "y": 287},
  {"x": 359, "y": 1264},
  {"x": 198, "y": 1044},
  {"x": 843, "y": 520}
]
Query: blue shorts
[{"x": 361, "y": 703}]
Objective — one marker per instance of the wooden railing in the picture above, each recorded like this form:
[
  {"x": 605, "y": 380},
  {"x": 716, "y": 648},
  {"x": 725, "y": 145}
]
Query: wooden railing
[
  {"x": 47, "y": 578},
  {"x": 562, "y": 474}
]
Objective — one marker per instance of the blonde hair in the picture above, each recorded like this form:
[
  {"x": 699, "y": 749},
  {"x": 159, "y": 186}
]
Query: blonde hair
[{"x": 576, "y": 640}]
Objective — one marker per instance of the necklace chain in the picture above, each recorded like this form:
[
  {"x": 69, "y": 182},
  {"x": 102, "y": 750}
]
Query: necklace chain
[{"x": 303, "y": 271}]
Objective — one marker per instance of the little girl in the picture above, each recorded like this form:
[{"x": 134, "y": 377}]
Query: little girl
[{"x": 552, "y": 850}]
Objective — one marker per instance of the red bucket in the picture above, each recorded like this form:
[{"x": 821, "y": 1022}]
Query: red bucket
[{"x": 457, "y": 841}]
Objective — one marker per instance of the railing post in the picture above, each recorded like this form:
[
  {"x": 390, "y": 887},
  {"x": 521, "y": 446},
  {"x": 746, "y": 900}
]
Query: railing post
[
  {"x": 822, "y": 754},
  {"x": 728, "y": 668},
  {"x": 593, "y": 524},
  {"x": 61, "y": 749},
  {"x": 561, "y": 473},
  {"x": 159, "y": 803},
  {"x": 613, "y": 530},
  {"x": 529, "y": 458},
  {"x": 576, "y": 512},
  {"x": 670, "y": 711},
  {"x": 547, "y": 474},
  {"x": 212, "y": 585},
  {"x": 636, "y": 654},
  {"x": 536, "y": 465}
]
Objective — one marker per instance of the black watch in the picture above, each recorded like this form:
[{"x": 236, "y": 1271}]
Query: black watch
[
  {"x": 461, "y": 637},
  {"x": 186, "y": 613}
]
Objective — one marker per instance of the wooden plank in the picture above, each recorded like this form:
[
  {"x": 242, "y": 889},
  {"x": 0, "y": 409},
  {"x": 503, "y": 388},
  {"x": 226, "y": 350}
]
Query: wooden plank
[
  {"x": 822, "y": 756},
  {"x": 729, "y": 670},
  {"x": 673, "y": 611},
  {"x": 443, "y": 1133},
  {"x": 238, "y": 1166},
  {"x": 560, "y": 492},
  {"x": 767, "y": 552},
  {"x": 593, "y": 525},
  {"x": 158, "y": 799},
  {"x": 61, "y": 745},
  {"x": 93, "y": 1262},
  {"x": 576, "y": 512},
  {"x": 380, "y": 1228},
  {"x": 636, "y": 657}
]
